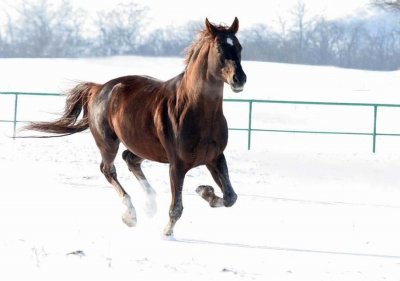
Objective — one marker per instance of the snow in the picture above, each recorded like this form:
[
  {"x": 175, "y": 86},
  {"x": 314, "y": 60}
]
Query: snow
[{"x": 310, "y": 207}]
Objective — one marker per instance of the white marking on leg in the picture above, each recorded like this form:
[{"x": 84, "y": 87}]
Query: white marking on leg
[
  {"x": 207, "y": 193},
  {"x": 145, "y": 184},
  {"x": 150, "y": 206},
  {"x": 129, "y": 217},
  {"x": 169, "y": 229},
  {"x": 217, "y": 202},
  {"x": 200, "y": 190}
]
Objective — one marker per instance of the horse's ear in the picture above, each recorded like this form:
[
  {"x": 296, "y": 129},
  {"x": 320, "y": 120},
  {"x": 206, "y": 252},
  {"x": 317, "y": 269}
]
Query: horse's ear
[
  {"x": 235, "y": 26},
  {"x": 211, "y": 28}
]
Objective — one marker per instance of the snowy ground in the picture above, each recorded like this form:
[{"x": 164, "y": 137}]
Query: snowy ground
[{"x": 309, "y": 207}]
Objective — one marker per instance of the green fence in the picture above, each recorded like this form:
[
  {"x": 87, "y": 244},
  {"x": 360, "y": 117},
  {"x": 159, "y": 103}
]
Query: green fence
[
  {"x": 373, "y": 134},
  {"x": 16, "y": 98}
]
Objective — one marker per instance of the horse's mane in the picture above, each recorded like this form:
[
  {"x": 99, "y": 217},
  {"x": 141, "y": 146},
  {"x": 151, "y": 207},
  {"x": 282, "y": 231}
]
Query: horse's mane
[{"x": 202, "y": 37}]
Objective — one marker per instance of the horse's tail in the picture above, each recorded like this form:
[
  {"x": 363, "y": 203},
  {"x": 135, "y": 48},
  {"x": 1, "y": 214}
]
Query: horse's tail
[{"x": 68, "y": 123}]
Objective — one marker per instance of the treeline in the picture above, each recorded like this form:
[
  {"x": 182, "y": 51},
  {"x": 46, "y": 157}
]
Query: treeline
[
  {"x": 366, "y": 43},
  {"x": 44, "y": 30}
]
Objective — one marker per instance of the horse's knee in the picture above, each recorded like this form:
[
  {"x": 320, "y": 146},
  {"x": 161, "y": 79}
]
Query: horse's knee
[{"x": 108, "y": 171}]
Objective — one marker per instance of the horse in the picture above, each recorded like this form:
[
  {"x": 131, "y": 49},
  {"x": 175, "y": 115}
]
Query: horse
[{"x": 179, "y": 121}]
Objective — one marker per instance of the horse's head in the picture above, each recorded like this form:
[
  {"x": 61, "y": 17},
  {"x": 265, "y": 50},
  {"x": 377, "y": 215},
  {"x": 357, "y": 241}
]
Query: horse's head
[{"x": 224, "y": 60}]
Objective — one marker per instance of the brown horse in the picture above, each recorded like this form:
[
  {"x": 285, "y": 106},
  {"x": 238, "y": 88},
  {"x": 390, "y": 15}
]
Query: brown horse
[{"x": 179, "y": 121}]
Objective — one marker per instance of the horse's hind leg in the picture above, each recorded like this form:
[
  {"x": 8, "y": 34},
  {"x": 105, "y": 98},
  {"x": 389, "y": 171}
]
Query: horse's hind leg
[
  {"x": 108, "y": 154},
  {"x": 219, "y": 171},
  {"x": 134, "y": 164}
]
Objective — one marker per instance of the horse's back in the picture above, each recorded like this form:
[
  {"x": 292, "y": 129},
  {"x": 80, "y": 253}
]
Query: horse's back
[
  {"x": 128, "y": 106},
  {"x": 133, "y": 84}
]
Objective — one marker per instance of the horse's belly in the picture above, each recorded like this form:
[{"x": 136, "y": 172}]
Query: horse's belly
[
  {"x": 144, "y": 144},
  {"x": 153, "y": 153}
]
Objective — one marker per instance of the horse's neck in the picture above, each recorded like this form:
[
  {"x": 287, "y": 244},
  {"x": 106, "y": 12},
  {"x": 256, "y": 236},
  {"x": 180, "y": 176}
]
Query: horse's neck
[{"x": 198, "y": 87}]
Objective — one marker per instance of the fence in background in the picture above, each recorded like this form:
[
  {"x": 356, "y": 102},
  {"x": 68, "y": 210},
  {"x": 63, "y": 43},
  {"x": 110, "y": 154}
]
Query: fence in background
[{"x": 249, "y": 129}]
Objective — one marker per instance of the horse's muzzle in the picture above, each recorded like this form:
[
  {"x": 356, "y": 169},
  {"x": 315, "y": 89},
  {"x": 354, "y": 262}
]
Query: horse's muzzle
[
  {"x": 238, "y": 80},
  {"x": 237, "y": 89}
]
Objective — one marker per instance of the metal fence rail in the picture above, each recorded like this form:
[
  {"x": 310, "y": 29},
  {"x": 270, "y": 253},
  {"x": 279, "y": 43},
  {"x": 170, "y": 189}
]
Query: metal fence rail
[
  {"x": 374, "y": 132},
  {"x": 250, "y": 128},
  {"x": 16, "y": 95}
]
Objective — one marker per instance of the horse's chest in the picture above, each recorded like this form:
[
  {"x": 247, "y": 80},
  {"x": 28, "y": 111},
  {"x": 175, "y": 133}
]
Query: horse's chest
[
  {"x": 202, "y": 144},
  {"x": 201, "y": 151}
]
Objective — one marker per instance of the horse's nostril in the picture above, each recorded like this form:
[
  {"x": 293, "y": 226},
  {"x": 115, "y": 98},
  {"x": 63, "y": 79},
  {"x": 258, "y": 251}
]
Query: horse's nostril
[{"x": 235, "y": 79}]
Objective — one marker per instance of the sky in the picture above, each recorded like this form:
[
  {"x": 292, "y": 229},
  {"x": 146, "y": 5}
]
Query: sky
[
  {"x": 248, "y": 12},
  {"x": 257, "y": 11},
  {"x": 176, "y": 12}
]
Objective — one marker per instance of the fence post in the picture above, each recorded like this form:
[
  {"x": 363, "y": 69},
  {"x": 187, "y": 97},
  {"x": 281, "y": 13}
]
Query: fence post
[
  {"x": 15, "y": 115},
  {"x": 374, "y": 134},
  {"x": 249, "y": 128}
]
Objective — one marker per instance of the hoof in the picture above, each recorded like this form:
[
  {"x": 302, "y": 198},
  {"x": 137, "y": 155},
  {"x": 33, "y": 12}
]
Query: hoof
[
  {"x": 168, "y": 238},
  {"x": 129, "y": 218},
  {"x": 229, "y": 201},
  {"x": 168, "y": 230}
]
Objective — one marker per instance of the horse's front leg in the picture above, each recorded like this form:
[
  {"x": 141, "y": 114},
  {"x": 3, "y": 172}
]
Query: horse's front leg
[
  {"x": 219, "y": 171},
  {"x": 177, "y": 176}
]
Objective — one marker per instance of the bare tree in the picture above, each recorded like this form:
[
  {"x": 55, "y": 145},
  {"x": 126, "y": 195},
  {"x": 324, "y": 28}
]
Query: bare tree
[
  {"x": 120, "y": 30},
  {"x": 170, "y": 40},
  {"x": 322, "y": 38},
  {"x": 44, "y": 30},
  {"x": 283, "y": 44},
  {"x": 260, "y": 43},
  {"x": 300, "y": 25},
  {"x": 389, "y": 4}
]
